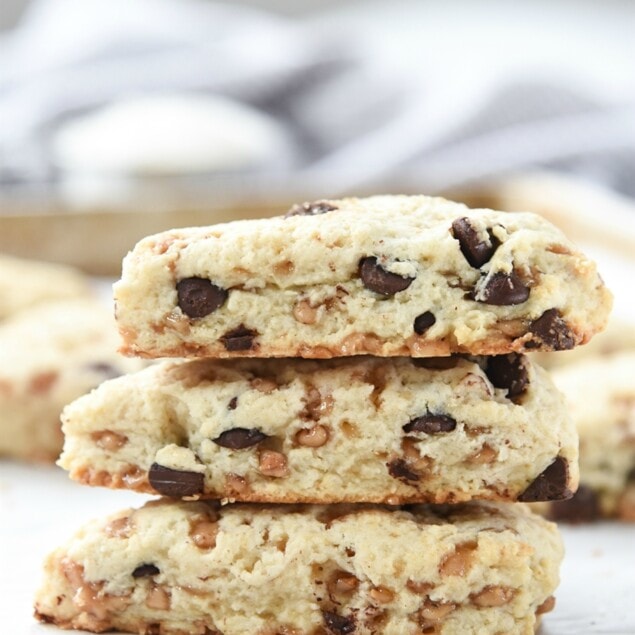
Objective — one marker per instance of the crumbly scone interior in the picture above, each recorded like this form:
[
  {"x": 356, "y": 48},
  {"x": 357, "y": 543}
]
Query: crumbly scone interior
[
  {"x": 358, "y": 429},
  {"x": 334, "y": 309},
  {"x": 259, "y": 569}
]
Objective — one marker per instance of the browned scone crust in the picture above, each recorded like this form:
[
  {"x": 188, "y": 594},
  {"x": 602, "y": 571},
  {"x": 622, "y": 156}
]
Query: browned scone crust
[
  {"x": 360, "y": 429},
  {"x": 178, "y": 568},
  {"x": 385, "y": 276}
]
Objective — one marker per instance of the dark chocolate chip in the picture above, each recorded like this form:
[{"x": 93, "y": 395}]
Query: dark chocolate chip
[
  {"x": 108, "y": 371},
  {"x": 239, "y": 438},
  {"x": 508, "y": 371},
  {"x": 552, "y": 332},
  {"x": 338, "y": 624},
  {"x": 630, "y": 477},
  {"x": 436, "y": 363},
  {"x": 310, "y": 209},
  {"x": 377, "y": 279},
  {"x": 550, "y": 485},
  {"x": 199, "y": 297},
  {"x": 423, "y": 322},
  {"x": 175, "y": 483},
  {"x": 503, "y": 289},
  {"x": 145, "y": 570},
  {"x": 399, "y": 469},
  {"x": 477, "y": 252},
  {"x": 233, "y": 402},
  {"x": 239, "y": 339},
  {"x": 582, "y": 507},
  {"x": 431, "y": 424}
]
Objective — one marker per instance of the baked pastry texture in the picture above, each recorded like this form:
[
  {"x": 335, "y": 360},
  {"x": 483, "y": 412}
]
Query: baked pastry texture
[
  {"x": 385, "y": 276},
  {"x": 191, "y": 568},
  {"x": 52, "y": 354},
  {"x": 357, "y": 429}
]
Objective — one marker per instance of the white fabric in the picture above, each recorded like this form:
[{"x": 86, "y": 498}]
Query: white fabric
[{"x": 431, "y": 93}]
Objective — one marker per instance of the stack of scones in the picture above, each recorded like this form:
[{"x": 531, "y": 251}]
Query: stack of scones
[{"x": 348, "y": 434}]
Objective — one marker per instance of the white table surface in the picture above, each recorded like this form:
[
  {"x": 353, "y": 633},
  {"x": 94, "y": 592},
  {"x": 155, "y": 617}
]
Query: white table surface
[{"x": 40, "y": 508}]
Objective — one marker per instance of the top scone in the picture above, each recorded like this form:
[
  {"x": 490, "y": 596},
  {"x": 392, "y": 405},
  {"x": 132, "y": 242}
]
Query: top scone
[{"x": 385, "y": 276}]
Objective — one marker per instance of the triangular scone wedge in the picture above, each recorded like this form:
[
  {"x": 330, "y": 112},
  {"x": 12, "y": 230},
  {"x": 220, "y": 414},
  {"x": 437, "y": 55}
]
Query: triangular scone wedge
[
  {"x": 191, "y": 568},
  {"x": 358, "y": 429},
  {"x": 385, "y": 276}
]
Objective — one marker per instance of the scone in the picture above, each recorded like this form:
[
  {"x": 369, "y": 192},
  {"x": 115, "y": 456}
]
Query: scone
[
  {"x": 50, "y": 355},
  {"x": 601, "y": 398},
  {"x": 385, "y": 276},
  {"x": 189, "y": 568},
  {"x": 358, "y": 429},
  {"x": 26, "y": 283}
]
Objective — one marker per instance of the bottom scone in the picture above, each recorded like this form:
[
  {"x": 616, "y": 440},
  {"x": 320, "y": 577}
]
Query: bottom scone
[{"x": 195, "y": 568}]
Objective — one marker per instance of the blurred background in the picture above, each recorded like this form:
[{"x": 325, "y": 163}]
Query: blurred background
[{"x": 182, "y": 112}]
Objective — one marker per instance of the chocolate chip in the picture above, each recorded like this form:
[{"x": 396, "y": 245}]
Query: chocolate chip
[
  {"x": 199, "y": 297},
  {"x": 436, "y": 363},
  {"x": 551, "y": 331},
  {"x": 145, "y": 570},
  {"x": 477, "y": 252},
  {"x": 551, "y": 485},
  {"x": 582, "y": 507},
  {"x": 508, "y": 371},
  {"x": 233, "y": 402},
  {"x": 175, "y": 483},
  {"x": 310, "y": 209},
  {"x": 239, "y": 339},
  {"x": 431, "y": 424},
  {"x": 399, "y": 469},
  {"x": 423, "y": 322},
  {"x": 502, "y": 289},
  {"x": 239, "y": 438},
  {"x": 338, "y": 624},
  {"x": 108, "y": 371},
  {"x": 377, "y": 279}
]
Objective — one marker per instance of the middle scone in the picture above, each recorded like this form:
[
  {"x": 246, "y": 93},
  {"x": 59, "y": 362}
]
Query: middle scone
[{"x": 363, "y": 429}]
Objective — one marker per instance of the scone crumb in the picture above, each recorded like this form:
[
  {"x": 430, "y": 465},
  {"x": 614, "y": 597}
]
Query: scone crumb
[
  {"x": 109, "y": 440},
  {"x": 203, "y": 534},
  {"x": 493, "y": 596},
  {"x": 314, "y": 437},
  {"x": 460, "y": 561},
  {"x": 158, "y": 598},
  {"x": 273, "y": 464}
]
